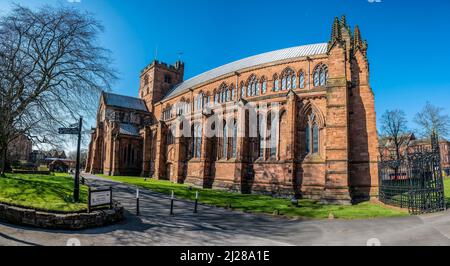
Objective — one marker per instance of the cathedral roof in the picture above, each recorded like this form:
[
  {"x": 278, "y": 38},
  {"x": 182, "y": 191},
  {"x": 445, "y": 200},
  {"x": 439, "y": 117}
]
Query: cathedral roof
[
  {"x": 127, "y": 129},
  {"x": 261, "y": 59},
  {"x": 122, "y": 101}
]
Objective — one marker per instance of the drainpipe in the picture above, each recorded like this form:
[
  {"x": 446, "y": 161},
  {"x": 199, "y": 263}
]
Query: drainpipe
[
  {"x": 309, "y": 72},
  {"x": 238, "y": 90}
]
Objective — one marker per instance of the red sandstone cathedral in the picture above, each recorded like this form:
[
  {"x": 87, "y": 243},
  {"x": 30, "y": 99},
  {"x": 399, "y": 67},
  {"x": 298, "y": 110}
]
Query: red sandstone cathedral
[{"x": 324, "y": 148}]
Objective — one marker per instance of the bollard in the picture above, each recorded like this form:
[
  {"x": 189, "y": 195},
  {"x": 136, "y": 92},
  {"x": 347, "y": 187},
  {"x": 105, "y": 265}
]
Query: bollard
[
  {"x": 137, "y": 202},
  {"x": 196, "y": 202},
  {"x": 171, "y": 203}
]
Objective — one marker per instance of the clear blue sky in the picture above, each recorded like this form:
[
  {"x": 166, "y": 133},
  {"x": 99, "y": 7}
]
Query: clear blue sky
[{"x": 408, "y": 40}]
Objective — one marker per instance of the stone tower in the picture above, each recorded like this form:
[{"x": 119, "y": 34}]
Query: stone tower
[{"x": 157, "y": 80}]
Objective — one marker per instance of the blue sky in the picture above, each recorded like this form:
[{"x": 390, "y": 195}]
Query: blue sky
[{"x": 408, "y": 40}]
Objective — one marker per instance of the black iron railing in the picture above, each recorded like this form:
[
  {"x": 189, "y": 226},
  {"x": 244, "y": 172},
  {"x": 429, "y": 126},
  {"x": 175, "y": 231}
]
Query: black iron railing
[{"x": 414, "y": 181}]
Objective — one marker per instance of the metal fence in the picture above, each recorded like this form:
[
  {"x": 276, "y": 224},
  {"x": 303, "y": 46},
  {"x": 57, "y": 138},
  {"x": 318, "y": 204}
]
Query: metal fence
[{"x": 414, "y": 181}]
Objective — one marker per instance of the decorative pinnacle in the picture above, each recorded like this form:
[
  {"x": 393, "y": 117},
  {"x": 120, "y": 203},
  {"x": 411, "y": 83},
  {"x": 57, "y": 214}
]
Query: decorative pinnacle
[
  {"x": 344, "y": 21},
  {"x": 357, "y": 38},
  {"x": 336, "y": 30}
]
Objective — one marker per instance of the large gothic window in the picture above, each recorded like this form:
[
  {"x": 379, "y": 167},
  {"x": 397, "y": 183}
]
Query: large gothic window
[
  {"x": 315, "y": 134},
  {"x": 234, "y": 141},
  {"x": 261, "y": 136},
  {"x": 242, "y": 90},
  {"x": 225, "y": 141},
  {"x": 312, "y": 135},
  {"x": 197, "y": 143},
  {"x": 170, "y": 138},
  {"x": 272, "y": 136},
  {"x": 320, "y": 75}
]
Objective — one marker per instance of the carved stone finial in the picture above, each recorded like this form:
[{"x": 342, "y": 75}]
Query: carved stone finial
[
  {"x": 336, "y": 30},
  {"x": 357, "y": 43},
  {"x": 344, "y": 21}
]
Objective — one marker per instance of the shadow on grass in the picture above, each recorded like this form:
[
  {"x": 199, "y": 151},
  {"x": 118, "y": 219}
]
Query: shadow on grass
[
  {"x": 42, "y": 192},
  {"x": 262, "y": 203}
]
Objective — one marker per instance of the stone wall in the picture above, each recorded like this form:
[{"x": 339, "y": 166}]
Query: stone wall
[{"x": 69, "y": 221}]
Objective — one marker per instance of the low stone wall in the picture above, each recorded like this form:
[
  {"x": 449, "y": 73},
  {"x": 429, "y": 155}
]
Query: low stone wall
[{"x": 70, "y": 221}]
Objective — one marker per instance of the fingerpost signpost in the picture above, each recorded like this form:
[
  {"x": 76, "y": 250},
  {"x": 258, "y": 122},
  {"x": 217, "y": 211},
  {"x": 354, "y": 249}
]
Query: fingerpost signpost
[{"x": 75, "y": 130}]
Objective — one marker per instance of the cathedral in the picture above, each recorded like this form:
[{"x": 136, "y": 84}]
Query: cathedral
[{"x": 293, "y": 122}]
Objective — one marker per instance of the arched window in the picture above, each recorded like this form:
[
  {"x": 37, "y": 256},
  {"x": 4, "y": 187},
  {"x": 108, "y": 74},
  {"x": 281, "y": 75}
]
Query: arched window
[
  {"x": 264, "y": 86},
  {"x": 315, "y": 134},
  {"x": 234, "y": 141},
  {"x": 308, "y": 138},
  {"x": 199, "y": 102},
  {"x": 197, "y": 143},
  {"x": 225, "y": 141},
  {"x": 180, "y": 108},
  {"x": 206, "y": 100},
  {"x": 167, "y": 113},
  {"x": 260, "y": 137},
  {"x": 289, "y": 79},
  {"x": 252, "y": 86},
  {"x": 242, "y": 90},
  {"x": 312, "y": 135},
  {"x": 272, "y": 136},
  {"x": 170, "y": 138},
  {"x": 146, "y": 79},
  {"x": 276, "y": 83},
  {"x": 233, "y": 93},
  {"x": 301, "y": 78},
  {"x": 320, "y": 75}
]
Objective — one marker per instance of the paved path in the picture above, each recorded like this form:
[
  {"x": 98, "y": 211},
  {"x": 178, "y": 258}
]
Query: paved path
[{"x": 216, "y": 226}]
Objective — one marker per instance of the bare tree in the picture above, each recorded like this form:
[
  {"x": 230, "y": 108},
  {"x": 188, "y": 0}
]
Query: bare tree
[
  {"x": 51, "y": 72},
  {"x": 394, "y": 127},
  {"x": 431, "y": 120},
  {"x": 382, "y": 144},
  {"x": 83, "y": 156}
]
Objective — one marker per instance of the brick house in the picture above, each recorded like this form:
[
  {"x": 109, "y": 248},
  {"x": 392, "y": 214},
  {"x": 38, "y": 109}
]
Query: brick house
[
  {"x": 444, "y": 146},
  {"x": 324, "y": 146},
  {"x": 412, "y": 144}
]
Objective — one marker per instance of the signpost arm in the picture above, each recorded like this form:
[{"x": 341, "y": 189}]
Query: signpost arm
[{"x": 76, "y": 190}]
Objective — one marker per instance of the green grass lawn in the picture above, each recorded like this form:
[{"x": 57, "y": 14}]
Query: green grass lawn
[
  {"x": 52, "y": 193},
  {"x": 447, "y": 190},
  {"x": 265, "y": 204}
]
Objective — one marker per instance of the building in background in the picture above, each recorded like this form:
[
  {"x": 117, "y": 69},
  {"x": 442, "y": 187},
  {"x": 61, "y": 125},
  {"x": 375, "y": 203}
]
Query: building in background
[
  {"x": 411, "y": 145},
  {"x": 326, "y": 147},
  {"x": 39, "y": 157},
  {"x": 20, "y": 149}
]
